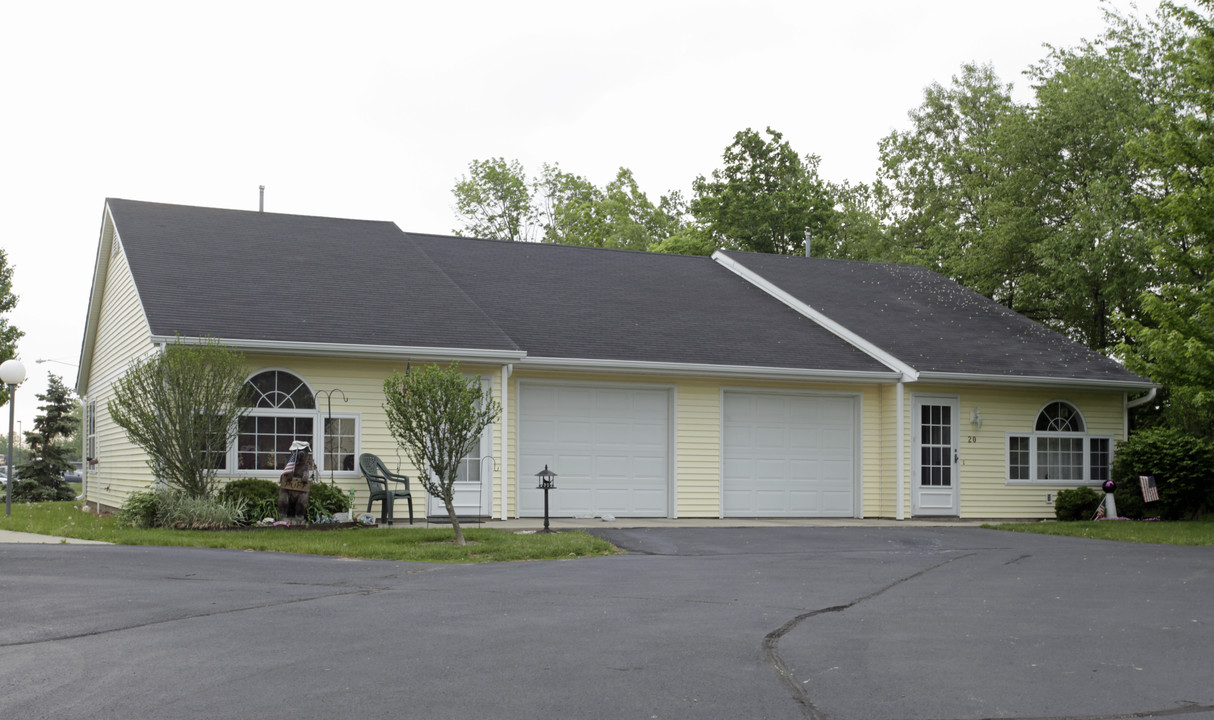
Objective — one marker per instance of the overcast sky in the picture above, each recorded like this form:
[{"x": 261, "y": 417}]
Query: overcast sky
[{"x": 372, "y": 110}]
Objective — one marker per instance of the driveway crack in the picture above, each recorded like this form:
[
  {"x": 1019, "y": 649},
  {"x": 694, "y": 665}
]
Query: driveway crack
[{"x": 771, "y": 642}]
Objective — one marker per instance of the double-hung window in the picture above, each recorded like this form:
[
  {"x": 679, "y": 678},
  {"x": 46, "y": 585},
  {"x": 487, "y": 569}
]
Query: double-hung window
[{"x": 1059, "y": 450}]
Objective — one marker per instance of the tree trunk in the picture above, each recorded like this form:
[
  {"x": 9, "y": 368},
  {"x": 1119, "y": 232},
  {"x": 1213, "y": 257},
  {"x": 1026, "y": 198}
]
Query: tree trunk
[{"x": 459, "y": 531}]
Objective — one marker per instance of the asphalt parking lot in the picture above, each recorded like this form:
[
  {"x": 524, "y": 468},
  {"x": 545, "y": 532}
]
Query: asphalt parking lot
[{"x": 820, "y": 622}]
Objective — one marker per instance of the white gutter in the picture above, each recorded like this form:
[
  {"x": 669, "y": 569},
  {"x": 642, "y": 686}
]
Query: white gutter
[
  {"x": 1131, "y": 404},
  {"x": 900, "y": 512},
  {"x": 1020, "y": 380},
  {"x": 375, "y": 352},
  {"x": 704, "y": 369},
  {"x": 907, "y": 372}
]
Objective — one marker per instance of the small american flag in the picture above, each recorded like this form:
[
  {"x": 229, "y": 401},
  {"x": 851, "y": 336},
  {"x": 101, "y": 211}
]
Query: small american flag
[{"x": 1150, "y": 493}]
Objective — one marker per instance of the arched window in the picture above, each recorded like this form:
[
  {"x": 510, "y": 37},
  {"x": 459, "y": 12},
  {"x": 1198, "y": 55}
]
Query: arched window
[
  {"x": 1059, "y": 417},
  {"x": 284, "y": 410},
  {"x": 1058, "y": 451}
]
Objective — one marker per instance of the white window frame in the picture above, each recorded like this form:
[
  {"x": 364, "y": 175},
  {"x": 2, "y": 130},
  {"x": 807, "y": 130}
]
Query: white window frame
[
  {"x": 322, "y": 416},
  {"x": 1034, "y": 437},
  {"x": 318, "y": 416}
]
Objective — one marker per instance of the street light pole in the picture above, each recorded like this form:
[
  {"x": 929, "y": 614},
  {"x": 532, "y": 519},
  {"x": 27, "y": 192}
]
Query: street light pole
[{"x": 12, "y": 373}]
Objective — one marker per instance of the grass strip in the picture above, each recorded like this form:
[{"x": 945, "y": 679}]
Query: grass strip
[
  {"x": 414, "y": 544},
  {"x": 1193, "y": 532}
]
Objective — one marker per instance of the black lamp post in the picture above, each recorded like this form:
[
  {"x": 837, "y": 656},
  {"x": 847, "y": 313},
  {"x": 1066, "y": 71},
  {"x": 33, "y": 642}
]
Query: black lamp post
[
  {"x": 547, "y": 482},
  {"x": 12, "y": 373}
]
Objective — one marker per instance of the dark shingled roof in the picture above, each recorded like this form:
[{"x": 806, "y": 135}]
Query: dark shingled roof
[
  {"x": 290, "y": 278},
  {"x": 930, "y": 322},
  {"x": 560, "y": 301},
  {"x": 270, "y": 277}
]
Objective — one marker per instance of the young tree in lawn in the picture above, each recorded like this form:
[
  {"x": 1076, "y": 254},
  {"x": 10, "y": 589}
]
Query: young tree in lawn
[
  {"x": 181, "y": 406},
  {"x": 42, "y": 474},
  {"x": 437, "y": 415}
]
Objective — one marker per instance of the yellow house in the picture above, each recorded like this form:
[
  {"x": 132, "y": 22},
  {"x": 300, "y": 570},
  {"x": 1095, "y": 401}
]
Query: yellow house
[{"x": 740, "y": 385}]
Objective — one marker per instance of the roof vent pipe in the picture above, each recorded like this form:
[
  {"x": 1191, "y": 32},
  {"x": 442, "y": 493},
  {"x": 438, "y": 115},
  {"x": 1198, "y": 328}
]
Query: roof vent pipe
[
  {"x": 807, "y": 244},
  {"x": 261, "y": 200}
]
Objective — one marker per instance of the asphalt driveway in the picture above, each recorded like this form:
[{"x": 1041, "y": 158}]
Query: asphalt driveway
[{"x": 820, "y": 622}]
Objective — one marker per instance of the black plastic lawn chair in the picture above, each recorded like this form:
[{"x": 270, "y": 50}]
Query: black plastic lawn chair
[{"x": 378, "y": 479}]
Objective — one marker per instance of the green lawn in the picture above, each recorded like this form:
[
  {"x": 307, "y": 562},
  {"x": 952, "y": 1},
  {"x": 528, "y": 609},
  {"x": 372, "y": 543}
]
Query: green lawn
[
  {"x": 1197, "y": 532},
  {"x": 65, "y": 519}
]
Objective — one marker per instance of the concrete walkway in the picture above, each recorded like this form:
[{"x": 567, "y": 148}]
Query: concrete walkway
[{"x": 11, "y": 536}]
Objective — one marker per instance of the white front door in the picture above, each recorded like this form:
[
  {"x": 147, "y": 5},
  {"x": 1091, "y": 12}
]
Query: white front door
[
  {"x": 472, "y": 493},
  {"x": 937, "y": 455}
]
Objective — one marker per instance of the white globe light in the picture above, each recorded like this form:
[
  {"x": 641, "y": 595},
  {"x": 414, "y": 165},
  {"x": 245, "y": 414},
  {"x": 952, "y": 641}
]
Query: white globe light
[{"x": 12, "y": 372}]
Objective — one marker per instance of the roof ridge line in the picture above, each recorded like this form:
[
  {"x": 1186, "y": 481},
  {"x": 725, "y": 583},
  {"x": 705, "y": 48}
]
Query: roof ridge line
[{"x": 840, "y": 331}]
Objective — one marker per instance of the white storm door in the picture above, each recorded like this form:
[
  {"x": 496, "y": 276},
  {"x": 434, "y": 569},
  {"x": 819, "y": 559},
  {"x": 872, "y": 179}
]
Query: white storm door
[
  {"x": 937, "y": 455},
  {"x": 472, "y": 493}
]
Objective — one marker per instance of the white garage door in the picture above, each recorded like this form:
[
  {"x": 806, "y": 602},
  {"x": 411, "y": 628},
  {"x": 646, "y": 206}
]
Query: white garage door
[
  {"x": 789, "y": 455},
  {"x": 608, "y": 446}
]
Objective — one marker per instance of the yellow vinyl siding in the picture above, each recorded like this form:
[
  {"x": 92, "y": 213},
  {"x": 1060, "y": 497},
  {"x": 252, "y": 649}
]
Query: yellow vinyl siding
[
  {"x": 362, "y": 382},
  {"x": 697, "y": 426},
  {"x": 984, "y": 490},
  {"x": 122, "y": 336}
]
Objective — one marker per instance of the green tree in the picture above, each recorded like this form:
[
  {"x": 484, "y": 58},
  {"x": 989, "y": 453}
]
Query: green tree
[
  {"x": 494, "y": 201},
  {"x": 765, "y": 198},
  {"x": 42, "y": 474},
  {"x": 1173, "y": 340},
  {"x": 569, "y": 207},
  {"x": 181, "y": 406},
  {"x": 1071, "y": 165},
  {"x": 437, "y": 415},
  {"x": 9, "y": 335},
  {"x": 937, "y": 178}
]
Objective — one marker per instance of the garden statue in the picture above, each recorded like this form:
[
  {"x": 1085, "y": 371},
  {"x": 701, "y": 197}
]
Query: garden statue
[{"x": 294, "y": 483}]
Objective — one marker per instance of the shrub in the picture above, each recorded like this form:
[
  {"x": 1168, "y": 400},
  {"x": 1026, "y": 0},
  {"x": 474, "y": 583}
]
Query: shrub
[
  {"x": 259, "y": 497},
  {"x": 1077, "y": 504},
  {"x": 139, "y": 510},
  {"x": 177, "y": 509},
  {"x": 1183, "y": 466},
  {"x": 325, "y": 499}
]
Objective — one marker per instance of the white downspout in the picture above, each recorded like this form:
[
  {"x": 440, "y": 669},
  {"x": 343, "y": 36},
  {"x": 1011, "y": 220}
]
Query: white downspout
[
  {"x": 900, "y": 513},
  {"x": 507, "y": 371},
  {"x": 1130, "y": 405}
]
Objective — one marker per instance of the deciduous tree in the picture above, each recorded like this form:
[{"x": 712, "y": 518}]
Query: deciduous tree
[
  {"x": 9, "y": 335},
  {"x": 765, "y": 198},
  {"x": 493, "y": 201},
  {"x": 437, "y": 416},
  {"x": 181, "y": 406},
  {"x": 1173, "y": 341}
]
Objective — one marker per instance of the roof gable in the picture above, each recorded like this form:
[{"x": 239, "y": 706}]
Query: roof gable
[
  {"x": 562, "y": 301},
  {"x": 268, "y": 277},
  {"x": 932, "y": 323}
]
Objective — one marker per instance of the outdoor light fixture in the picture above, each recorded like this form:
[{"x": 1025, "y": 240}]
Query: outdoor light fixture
[
  {"x": 976, "y": 418},
  {"x": 12, "y": 373},
  {"x": 547, "y": 482}
]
